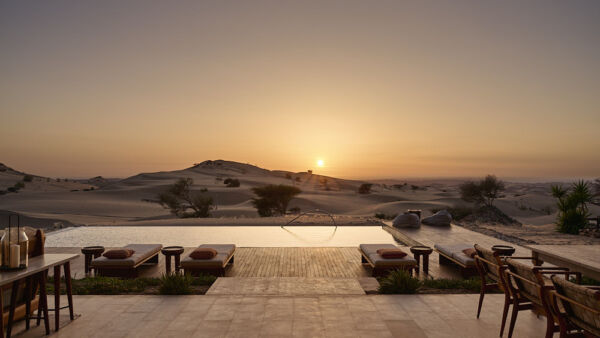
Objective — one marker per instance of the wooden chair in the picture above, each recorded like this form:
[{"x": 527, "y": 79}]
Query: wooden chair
[
  {"x": 530, "y": 290},
  {"x": 577, "y": 308},
  {"x": 490, "y": 266}
]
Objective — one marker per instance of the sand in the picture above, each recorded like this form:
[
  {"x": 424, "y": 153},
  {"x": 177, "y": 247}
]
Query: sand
[{"x": 129, "y": 201}]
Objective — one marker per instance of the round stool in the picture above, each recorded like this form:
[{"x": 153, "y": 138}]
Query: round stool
[
  {"x": 424, "y": 251},
  {"x": 174, "y": 251},
  {"x": 504, "y": 250},
  {"x": 91, "y": 252}
]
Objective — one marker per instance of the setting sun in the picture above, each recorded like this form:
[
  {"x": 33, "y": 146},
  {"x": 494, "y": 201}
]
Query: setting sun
[{"x": 320, "y": 163}]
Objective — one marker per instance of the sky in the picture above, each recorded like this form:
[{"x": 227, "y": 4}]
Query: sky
[{"x": 373, "y": 89}]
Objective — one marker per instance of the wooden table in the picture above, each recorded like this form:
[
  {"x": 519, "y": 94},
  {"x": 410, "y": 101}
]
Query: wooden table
[
  {"x": 38, "y": 267},
  {"x": 580, "y": 258}
]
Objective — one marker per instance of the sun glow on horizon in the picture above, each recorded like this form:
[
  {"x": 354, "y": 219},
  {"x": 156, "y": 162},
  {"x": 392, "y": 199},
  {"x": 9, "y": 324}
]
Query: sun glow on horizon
[{"x": 320, "y": 163}]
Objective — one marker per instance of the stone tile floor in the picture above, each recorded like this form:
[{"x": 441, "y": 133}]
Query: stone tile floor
[
  {"x": 286, "y": 286},
  {"x": 291, "y": 316}
]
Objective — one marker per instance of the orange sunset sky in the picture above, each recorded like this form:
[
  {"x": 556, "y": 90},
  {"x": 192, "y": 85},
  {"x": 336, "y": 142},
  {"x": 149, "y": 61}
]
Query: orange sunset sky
[{"x": 384, "y": 89}]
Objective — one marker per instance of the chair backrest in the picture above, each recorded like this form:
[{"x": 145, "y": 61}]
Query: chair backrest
[
  {"x": 582, "y": 295},
  {"x": 490, "y": 263},
  {"x": 526, "y": 280}
]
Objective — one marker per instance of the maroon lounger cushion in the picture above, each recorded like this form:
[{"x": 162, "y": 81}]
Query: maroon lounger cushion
[
  {"x": 119, "y": 253},
  {"x": 391, "y": 253},
  {"x": 470, "y": 252},
  {"x": 203, "y": 253}
]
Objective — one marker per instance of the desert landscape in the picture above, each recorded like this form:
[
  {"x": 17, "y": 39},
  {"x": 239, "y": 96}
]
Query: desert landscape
[{"x": 52, "y": 203}]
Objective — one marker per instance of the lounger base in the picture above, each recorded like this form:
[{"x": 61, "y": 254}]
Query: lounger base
[
  {"x": 215, "y": 271},
  {"x": 465, "y": 270},
  {"x": 125, "y": 272},
  {"x": 379, "y": 271}
]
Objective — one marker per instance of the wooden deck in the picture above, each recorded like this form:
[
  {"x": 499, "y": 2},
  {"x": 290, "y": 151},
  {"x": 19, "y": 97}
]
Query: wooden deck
[
  {"x": 268, "y": 262},
  {"x": 326, "y": 262}
]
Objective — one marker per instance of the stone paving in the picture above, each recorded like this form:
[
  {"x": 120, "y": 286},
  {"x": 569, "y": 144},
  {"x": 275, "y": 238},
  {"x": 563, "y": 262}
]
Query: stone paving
[
  {"x": 286, "y": 286},
  {"x": 291, "y": 316}
]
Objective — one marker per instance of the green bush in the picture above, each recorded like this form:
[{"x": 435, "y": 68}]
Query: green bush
[
  {"x": 572, "y": 207},
  {"x": 19, "y": 185},
  {"x": 473, "y": 284},
  {"x": 203, "y": 279},
  {"x": 108, "y": 285},
  {"x": 398, "y": 282},
  {"x": 27, "y": 178},
  {"x": 175, "y": 284}
]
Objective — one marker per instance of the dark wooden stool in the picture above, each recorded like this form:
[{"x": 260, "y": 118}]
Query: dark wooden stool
[
  {"x": 91, "y": 252},
  {"x": 422, "y": 251},
  {"x": 504, "y": 250},
  {"x": 169, "y": 251}
]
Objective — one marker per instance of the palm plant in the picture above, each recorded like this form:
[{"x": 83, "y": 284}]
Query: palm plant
[{"x": 572, "y": 206}]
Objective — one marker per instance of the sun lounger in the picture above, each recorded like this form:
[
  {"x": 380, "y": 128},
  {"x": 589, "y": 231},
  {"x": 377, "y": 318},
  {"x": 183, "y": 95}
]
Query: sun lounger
[
  {"x": 215, "y": 265},
  {"x": 382, "y": 265},
  {"x": 453, "y": 254},
  {"x": 127, "y": 267}
]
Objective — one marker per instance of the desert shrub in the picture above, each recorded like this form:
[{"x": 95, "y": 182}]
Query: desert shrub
[
  {"x": 548, "y": 210},
  {"x": 19, "y": 185},
  {"x": 365, "y": 188},
  {"x": 288, "y": 176},
  {"x": 175, "y": 284},
  {"x": 179, "y": 198},
  {"x": 457, "y": 212},
  {"x": 572, "y": 207},
  {"x": 273, "y": 199},
  {"x": 231, "y": 182},
  {"x": 107, "y": 285},
  {"x": 414, "y": 187},
  {"x": 381, "y": 215},
  {"x": 27, "y": 178},
  {"x": 482, "y": 192},
  {"x": 398, "y": 282},
  {"x": 472, "y": 284},
  {"x": 203, "y": 279},
  {"x": 12, "y": 189}
]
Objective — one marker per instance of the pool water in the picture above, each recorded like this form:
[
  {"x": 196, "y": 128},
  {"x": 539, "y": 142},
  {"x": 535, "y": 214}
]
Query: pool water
[{"x": 243, "y": 236}]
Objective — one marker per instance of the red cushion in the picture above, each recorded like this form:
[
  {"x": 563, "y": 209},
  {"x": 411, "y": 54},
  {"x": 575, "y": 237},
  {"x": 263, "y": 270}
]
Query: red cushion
[
  {"x": 391, "y": 253},
  {"x": 118, "y": 253},
  {"x": 470, "y": 252},
  {"x": 203, "y": 253}
]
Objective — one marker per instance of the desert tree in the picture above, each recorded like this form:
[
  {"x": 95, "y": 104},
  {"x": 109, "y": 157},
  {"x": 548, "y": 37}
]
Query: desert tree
[
  {"x": 365, "y": 188},
  {"x": 179, "y": 198},
  {"x": 273, "y": 199},
  {"x": 231, "y": 182},
  {"x": 483, "y": 192}
]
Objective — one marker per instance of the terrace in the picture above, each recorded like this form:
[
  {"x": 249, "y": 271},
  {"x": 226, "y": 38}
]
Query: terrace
[{"x": 295, "y": 291}]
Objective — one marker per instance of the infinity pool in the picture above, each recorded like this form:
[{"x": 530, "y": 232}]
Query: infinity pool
[{"x": 243, "y": 236}]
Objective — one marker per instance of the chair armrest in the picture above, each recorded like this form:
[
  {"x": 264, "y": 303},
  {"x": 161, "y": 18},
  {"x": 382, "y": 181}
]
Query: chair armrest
[
  {"x": 516, "y": 257},
  {"x": 555, "y": 268},
  {"x": 593, "y": 287}
]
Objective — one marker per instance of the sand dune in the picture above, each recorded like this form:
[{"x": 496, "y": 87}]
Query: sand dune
[{"x": 130, "y": 200}]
